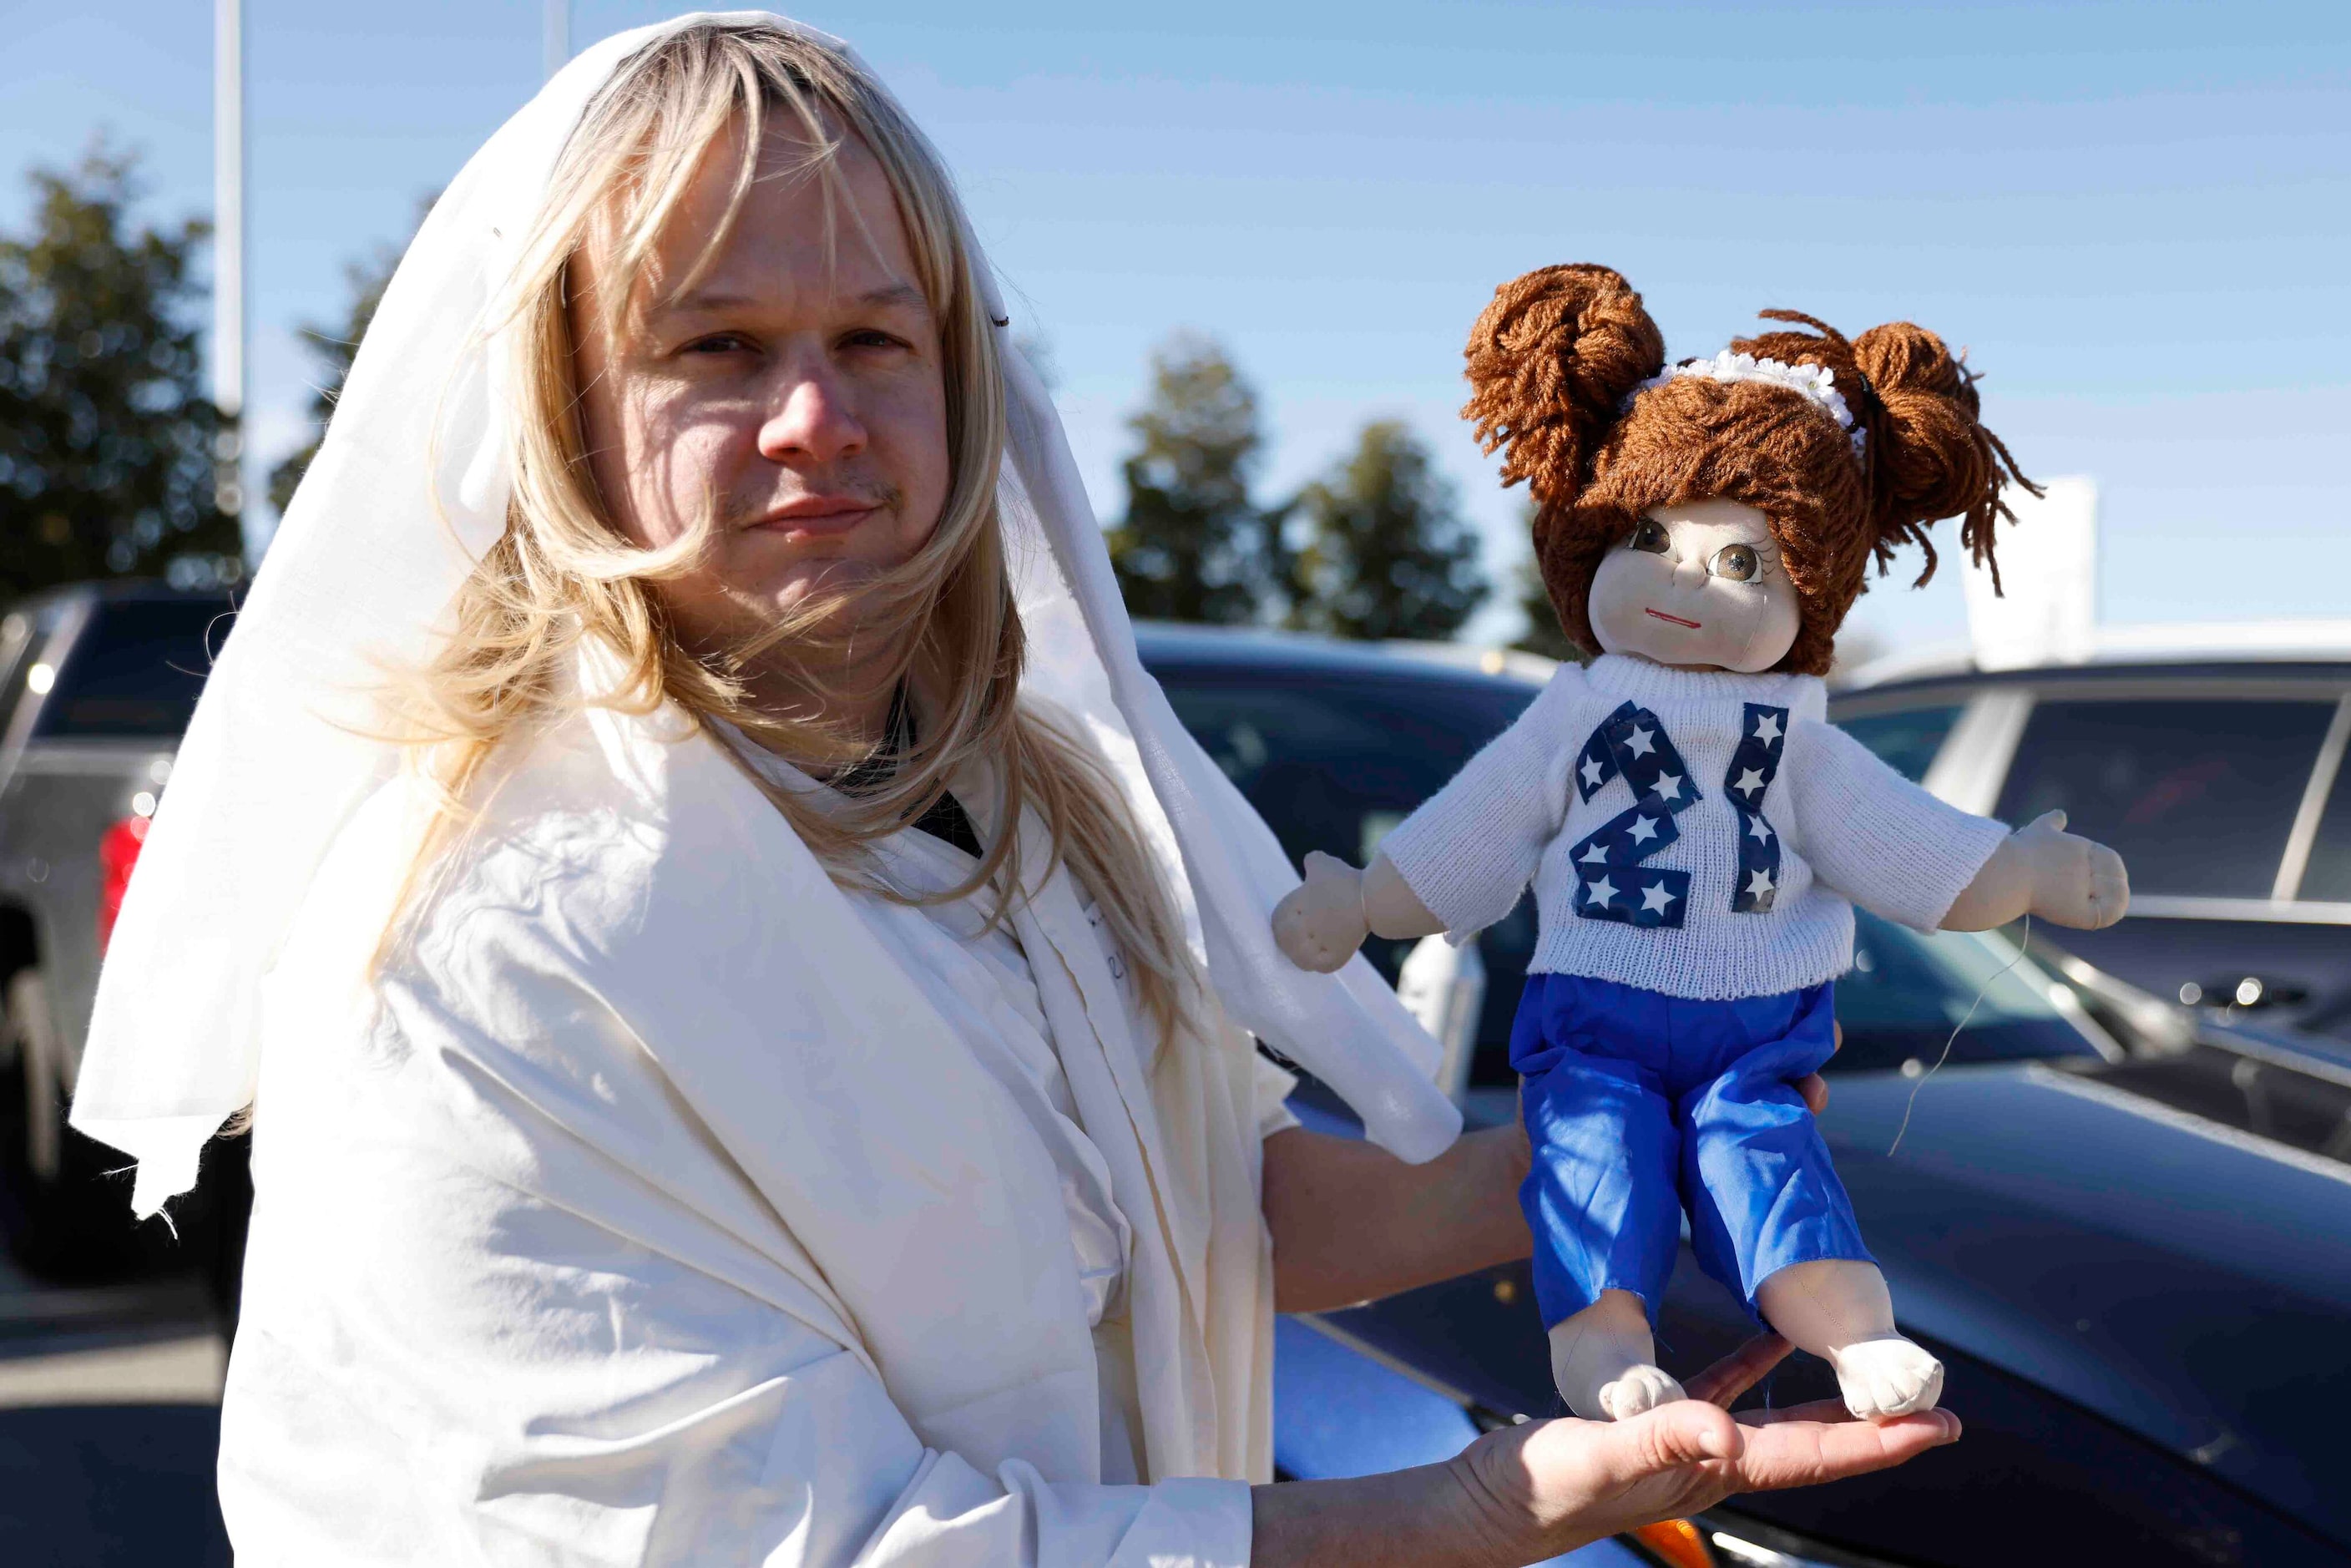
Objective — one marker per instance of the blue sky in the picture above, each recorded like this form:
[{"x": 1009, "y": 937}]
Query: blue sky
[{"x": 2136, "y": 216}]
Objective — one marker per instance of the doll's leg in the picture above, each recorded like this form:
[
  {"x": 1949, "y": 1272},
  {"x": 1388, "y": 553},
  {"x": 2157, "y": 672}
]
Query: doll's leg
[
  {"x": 1839, "y": 1310},
  {"x": 1771, "y": 1218},
  {"x": 1601, "y": 1202}
]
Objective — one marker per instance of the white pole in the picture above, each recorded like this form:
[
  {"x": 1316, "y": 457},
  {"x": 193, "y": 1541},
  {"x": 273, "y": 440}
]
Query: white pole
[
  {"x": 555, "y": 35},
  {"x": 229, "y": 246}
]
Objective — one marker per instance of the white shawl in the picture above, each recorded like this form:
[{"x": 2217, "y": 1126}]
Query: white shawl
[{"x": 553, "y": 1211}]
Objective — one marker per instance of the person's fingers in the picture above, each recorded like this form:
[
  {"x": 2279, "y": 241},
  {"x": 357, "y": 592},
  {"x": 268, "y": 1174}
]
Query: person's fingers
[
  {"x": 1604, "y": 1459},
  {"x": 1814, "y": 1091},
  {"x": 1804, "y": 1453},
  {"x": 1740, "y": 1370},
  {"x": 2054, "y": 821}
]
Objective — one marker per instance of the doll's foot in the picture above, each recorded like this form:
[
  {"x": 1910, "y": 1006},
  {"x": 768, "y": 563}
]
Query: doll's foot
[
  {"x": 1886, "y": 1377},
  {"x": 1643, "y": 1388}
]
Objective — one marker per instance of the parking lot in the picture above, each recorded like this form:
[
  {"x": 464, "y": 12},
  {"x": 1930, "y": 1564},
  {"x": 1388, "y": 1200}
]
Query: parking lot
[{"x": 109, "y": 1413}]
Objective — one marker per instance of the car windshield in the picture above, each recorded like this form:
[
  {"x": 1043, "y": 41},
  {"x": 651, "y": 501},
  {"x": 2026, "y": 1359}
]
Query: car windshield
[
  {"x": 1910, "y": 995},
  {"x": 1333, "y": 759},
  {"x": 136, "y": 669}
]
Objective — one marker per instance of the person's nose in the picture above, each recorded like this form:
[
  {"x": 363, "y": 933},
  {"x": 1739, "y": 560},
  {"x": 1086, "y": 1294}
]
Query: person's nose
[{"x": 813, "y": 418}]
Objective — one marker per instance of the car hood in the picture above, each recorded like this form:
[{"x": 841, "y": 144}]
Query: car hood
[{"x": 2187, "y": 1280}]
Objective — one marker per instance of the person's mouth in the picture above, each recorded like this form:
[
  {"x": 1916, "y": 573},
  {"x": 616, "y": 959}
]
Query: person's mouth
[
  {"x": 1675, "y": 619},
  {"x": 815, "y": 516}
]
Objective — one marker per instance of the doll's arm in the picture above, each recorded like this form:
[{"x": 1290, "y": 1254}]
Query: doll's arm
[
  {"x": 2046, "y": 871},
  {"x": 1458, "y": 863},
  {"x": 1321, "y": 924},
  {"x": 1898, "y": 851}
]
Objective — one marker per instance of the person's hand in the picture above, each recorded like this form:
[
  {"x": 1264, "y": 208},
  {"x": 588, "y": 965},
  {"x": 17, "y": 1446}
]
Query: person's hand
[
  {"x": 1816, "y": 1088},
  {"x": 1321, "y": 923},
  {"x": 1549, "y": 1487},
  {"x": 2075, "y": 883}
]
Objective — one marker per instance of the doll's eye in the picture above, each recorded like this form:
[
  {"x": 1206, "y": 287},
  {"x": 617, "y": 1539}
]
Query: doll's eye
[
  {"x": 1737, "y": 563},
  {"x": 1649, "y": 535}
]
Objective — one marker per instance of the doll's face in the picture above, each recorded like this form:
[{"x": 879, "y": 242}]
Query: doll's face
[{"x": 1698, "y": 586}]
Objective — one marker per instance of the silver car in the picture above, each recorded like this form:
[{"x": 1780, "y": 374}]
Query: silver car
[{"x": 96, "y": 685}]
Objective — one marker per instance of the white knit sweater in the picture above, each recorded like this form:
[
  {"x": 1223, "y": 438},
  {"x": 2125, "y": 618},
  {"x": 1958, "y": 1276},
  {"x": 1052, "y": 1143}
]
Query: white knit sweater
[{"x": 1692, "y": 895}]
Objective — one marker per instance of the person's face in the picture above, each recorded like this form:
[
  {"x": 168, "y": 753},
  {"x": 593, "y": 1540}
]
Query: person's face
[
  {"x": 1698, "y": 586},
  {"x": 796, "y": 388}
]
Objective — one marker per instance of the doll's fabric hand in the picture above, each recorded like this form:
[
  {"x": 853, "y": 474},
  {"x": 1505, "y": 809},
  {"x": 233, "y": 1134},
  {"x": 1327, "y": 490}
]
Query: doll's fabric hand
[
  {"x": 1319, "y": 924},
  {"x": 2075, "y": 883}
]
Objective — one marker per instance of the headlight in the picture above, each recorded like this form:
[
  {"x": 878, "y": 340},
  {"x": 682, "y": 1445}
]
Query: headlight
[{"x": 1730, "y": 1541}]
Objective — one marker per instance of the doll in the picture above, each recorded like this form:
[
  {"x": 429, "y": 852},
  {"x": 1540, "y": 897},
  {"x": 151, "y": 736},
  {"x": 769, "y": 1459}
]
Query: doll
[{"x": 1692, "y": 825}]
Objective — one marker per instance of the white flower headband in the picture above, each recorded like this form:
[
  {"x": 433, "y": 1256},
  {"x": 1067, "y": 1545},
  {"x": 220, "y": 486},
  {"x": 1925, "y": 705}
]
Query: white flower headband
[{"x": 1817, "y": 382}]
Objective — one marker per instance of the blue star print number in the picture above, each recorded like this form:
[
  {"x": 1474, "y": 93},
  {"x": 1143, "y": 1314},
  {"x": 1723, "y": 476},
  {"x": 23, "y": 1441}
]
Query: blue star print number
[
  {"x": 1611, "y": 882},
  {"x": 1753, "y": 766}
]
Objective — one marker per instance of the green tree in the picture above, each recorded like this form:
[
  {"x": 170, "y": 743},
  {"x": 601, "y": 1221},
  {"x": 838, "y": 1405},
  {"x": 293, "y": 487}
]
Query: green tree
[
  {"x": 1193, "y": 545},
  {"x": 333, "y": 350},
  {"x": 1387, "y": 552},
  {"x": 106, "y": 432}
]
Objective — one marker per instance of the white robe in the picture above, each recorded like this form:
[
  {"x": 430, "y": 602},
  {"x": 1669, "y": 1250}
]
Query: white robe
[{"x": 595, "y": 1230}]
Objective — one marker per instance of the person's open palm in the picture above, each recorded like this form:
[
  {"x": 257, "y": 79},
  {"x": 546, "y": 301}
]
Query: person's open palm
[{"x": 1579, "y": 1481}]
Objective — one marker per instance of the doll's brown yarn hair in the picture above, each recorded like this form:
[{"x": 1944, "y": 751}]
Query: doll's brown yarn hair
[{"x": 1555, "y": 356}]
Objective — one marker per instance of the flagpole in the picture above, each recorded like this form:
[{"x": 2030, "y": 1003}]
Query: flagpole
[
  {"x": 228, "y": 252},
  {"x": 555, "y": 35}
]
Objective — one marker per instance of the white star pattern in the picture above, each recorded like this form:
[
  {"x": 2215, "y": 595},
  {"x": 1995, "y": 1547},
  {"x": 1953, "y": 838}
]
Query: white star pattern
[
  {"x": 1767, "y": 727},
  {"x": 1751, "y": 779},
  {"x": 1643, "y": 830},
  {"x": 1595, "y": 855},
  {"x": 1669, "y": 784},
  {"x": 1601, "y": 891},
  {"x": 1656, "y": 898},
  {"x": 1759, "y": 885},
  {"x": 1640, "y": 743},
  {"x": 1592, "y": 772},
  {"x": 1758, "y": 828}
]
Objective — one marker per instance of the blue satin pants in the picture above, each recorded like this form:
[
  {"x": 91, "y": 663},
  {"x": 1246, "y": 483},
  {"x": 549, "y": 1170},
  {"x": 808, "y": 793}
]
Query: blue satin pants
[{"x": 1639, "y": 1106}]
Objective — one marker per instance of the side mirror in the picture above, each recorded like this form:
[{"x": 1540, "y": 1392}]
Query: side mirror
[{"x": 1445, "y": 987}]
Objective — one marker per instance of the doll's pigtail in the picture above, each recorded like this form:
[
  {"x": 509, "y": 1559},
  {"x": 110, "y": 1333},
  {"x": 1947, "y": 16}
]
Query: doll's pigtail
[
  {"x": 1935, "y": 458},
  {"x": 1550, "y": 363}
]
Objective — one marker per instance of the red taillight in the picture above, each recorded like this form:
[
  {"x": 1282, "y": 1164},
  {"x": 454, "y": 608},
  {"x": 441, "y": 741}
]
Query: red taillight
[{"x": 118, "y": 852}]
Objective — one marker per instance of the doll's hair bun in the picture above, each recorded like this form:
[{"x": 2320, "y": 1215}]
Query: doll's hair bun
[
  {"x": 1935, "y": 459},
  {"x": 1550, "y": 362},
  {"x": 1926, "y": 451}
]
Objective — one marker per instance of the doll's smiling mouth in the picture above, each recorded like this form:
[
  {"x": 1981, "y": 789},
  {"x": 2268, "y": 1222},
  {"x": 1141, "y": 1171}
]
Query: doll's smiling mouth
[{"x": 1675, "y": 619}]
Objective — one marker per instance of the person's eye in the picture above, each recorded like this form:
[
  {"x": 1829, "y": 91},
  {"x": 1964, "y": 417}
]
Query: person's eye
[
  {"x": 717, "y": 343},
  {"x": 872, "y": 338},
  {"x": 1738, "y": 563},
  {"x": 1649, "y": 535}
]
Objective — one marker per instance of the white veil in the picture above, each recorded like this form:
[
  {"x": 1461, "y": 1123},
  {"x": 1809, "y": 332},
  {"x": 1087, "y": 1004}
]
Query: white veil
[{"x": 362, "y": 571}]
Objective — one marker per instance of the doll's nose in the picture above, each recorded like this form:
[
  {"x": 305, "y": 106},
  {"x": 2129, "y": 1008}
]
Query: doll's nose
[{"x": 1689, "y": 573}]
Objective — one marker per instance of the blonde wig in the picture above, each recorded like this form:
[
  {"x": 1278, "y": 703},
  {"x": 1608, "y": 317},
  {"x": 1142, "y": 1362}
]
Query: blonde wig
[{"x": 564, "y": 576}]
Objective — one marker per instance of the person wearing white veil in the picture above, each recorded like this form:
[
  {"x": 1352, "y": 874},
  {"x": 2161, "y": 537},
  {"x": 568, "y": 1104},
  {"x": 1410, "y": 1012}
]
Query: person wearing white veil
[{"x": 742, "y": 988}]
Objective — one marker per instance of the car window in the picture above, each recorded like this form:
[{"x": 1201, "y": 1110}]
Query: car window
[
  {"x": 1907, "y": 992},
  {"x": 1907, "y": 740},
  {"x": 136, "y": 669},
  {"x": 2327, "y": 876},
  {"x": 2196, "y": 797}
]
